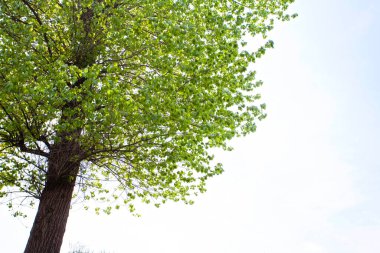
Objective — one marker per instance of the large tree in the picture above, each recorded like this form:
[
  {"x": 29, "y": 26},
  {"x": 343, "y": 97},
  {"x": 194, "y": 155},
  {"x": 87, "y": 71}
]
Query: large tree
[{"x": 122, "y": 99}]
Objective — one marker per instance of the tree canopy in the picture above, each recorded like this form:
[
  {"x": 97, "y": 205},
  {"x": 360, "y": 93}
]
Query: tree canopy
[{"x": 135, "y": 92}]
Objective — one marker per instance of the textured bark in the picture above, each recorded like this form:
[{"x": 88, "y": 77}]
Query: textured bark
[
  {"x": 49, "y": 225},
  {"x": 53, "y": 211}
]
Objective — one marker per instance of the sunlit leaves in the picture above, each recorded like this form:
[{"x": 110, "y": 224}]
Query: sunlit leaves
[{"x": 150, "y": 86}]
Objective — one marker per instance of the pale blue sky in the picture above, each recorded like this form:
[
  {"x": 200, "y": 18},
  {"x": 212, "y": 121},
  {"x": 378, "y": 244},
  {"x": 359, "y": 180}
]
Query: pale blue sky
[{"x": 308, "y": 181}]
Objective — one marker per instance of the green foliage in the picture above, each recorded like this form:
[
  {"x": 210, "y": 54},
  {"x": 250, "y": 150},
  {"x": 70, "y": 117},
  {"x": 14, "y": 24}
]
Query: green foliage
[{"x": 147, "y": 86}]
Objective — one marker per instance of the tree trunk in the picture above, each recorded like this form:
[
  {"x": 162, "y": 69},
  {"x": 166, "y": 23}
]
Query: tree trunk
[{"x": 49, "y": 225}]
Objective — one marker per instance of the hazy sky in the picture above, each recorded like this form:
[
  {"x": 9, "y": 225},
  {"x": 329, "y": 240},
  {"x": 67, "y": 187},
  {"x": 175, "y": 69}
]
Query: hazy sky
[{"x": 308, "y": 181}]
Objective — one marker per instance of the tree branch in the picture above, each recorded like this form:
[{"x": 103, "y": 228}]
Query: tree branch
[
  {"x": 37, "y": 17},
  {"x": 24, "y": 148}
]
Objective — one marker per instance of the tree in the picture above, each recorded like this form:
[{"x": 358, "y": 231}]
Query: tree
[{"x": 122, "y": 99}]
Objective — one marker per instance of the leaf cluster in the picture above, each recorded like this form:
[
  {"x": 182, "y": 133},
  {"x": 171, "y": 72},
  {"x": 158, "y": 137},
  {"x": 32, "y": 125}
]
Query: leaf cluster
[{"x": 149, "y": 87}]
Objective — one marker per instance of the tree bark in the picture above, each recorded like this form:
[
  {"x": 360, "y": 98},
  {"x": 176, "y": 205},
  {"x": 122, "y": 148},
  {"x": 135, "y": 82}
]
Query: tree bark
[{"x": 49, "y": 225}]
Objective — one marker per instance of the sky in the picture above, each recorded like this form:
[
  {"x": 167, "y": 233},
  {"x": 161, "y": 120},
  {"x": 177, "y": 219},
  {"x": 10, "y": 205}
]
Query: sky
[{"x": 308, "y": 181}]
